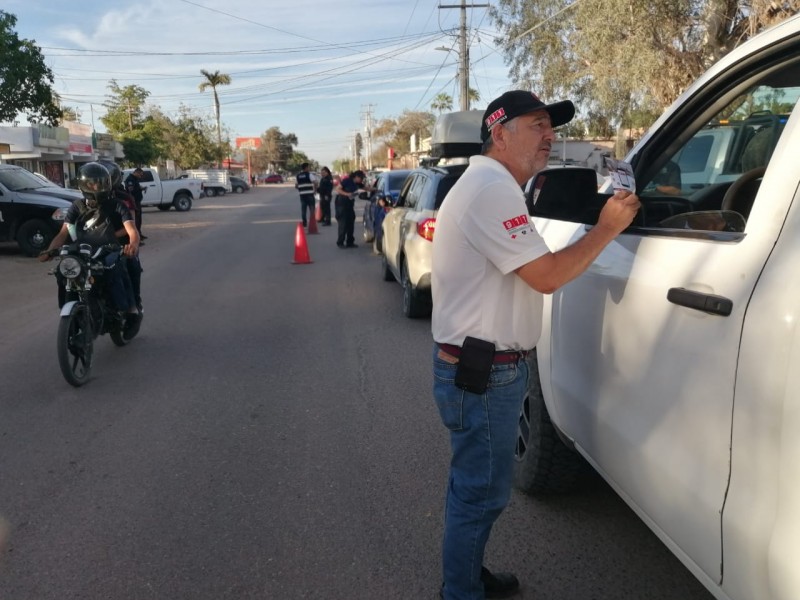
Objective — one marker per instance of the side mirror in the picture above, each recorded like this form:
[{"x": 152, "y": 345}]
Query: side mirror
[{"x": 565, "y": 194}]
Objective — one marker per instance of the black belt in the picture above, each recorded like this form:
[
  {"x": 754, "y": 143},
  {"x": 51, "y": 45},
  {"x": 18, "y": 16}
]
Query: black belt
[{"x": 500, "y": 356}]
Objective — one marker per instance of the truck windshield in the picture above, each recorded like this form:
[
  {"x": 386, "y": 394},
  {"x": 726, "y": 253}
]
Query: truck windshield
[{"x": 19, "y": 179}]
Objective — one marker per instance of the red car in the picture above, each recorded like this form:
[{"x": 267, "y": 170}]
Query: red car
[{"x": 273, "y": 178}]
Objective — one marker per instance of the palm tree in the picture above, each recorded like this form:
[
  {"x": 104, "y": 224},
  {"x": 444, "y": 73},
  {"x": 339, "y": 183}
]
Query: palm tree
[
  {"x": 212, "y": 81},
  {"x": 442, "y": 102}
]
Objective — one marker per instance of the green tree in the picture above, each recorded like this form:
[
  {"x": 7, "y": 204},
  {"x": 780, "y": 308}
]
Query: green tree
[
  {"x": 25, "y": 80},
  {"x": 623, "y": 62},
  {"x": 442, "y": 102},
  {"x": 276, "y": 150},
  {"x": 125, "y": 108},
  {"x": 212, "y": 81},
  {"x": 397, "y": 132}
]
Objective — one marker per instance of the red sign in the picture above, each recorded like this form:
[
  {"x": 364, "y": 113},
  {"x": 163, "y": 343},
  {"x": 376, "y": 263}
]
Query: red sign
[{"x": 248, "y": 142}]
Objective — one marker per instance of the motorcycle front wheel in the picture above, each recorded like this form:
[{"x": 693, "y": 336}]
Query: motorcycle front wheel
[{"x": 75, "y": 345}]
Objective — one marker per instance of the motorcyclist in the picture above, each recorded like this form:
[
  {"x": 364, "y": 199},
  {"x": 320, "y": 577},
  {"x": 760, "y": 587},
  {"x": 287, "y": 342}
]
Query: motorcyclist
[
  {"x": 133, "y": 263},
  {"x": 100, "y": 219}
]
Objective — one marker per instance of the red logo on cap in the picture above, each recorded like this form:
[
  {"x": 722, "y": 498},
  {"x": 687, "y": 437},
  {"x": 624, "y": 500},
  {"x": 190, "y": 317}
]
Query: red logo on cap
[{"x": 494, "y": 117}]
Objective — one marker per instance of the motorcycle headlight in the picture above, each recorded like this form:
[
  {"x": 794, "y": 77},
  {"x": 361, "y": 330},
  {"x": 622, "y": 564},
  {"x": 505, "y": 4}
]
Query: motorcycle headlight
[{"x": 70, "y": 267}]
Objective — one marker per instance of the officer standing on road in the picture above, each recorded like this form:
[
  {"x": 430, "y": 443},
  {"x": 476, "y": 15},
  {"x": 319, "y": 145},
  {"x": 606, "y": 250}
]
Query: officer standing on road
[
  {"x": 134, "y": 188},
  {"x": 490, "y": 269},
  {"x": 345, "y": 208},
  {"x": 306, "y": 185}
]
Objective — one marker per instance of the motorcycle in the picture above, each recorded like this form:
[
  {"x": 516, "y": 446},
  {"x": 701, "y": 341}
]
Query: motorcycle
[{"x": 88, "y": 310}]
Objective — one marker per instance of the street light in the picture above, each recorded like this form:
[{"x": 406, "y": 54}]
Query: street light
[{"x": 463, "y": 73}]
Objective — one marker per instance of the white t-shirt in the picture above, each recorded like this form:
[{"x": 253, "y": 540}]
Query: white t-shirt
[{"x": 483, "y": 233}]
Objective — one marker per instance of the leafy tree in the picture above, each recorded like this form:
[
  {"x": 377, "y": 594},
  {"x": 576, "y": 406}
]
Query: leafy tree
[
  {"x": 442, "y": 102},
  {"x": 212, "y": 81},
  {"x": 140, "y": 148},
  {"x": 124, "y": 108},
  {"x": 276, "y": 150},
  {"x": 623, "y": 62},
  {"x": 25, "y": 80},
  {"x": 69, "y": 113},
  {"x": 397, "y": 132}
]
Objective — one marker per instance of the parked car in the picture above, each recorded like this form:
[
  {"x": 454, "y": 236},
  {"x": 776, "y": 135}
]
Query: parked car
[
  {"x": 272, "y": 178},
  {"x": 239, "y": 185},
  {"x": 387, "y": 189},
  {"x": 166, "y": 193},
  {"x": 31, "y": 211},
  {"x": 670, "y": 366},
  {"x": 408, "y": 228},
  {"x": 408, "y": 231}
]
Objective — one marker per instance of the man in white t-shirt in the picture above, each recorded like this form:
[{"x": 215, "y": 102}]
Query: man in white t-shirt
[{"x": 490, "y": 269}]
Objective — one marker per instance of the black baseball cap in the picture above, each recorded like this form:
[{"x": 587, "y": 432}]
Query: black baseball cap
[{"x": 520, "y": 102}]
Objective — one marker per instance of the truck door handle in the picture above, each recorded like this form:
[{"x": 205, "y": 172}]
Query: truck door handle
[{"x": 709, "y": 303}]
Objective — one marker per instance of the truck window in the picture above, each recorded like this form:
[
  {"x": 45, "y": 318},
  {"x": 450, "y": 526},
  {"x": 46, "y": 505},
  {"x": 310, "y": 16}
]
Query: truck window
[
  {"x": 147, "y": 176},
  {"x": 690, "y": 189}
]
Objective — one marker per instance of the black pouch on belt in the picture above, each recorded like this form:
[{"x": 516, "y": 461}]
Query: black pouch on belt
[{"x": 474, "y": 365}]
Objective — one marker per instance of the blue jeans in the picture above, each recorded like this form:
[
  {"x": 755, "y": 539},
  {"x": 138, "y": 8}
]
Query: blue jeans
[
  {"x": 483, "y": 434},
  {"x": 306, "y": 204}
]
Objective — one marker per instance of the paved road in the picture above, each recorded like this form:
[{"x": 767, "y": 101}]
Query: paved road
[{"x": 269, "y": 435}]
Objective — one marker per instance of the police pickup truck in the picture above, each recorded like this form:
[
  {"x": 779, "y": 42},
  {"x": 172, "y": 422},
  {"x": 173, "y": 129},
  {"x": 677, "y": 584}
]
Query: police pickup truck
[
  {"x": 31, "y": 210},
  {"x": 672, "y": 366}
]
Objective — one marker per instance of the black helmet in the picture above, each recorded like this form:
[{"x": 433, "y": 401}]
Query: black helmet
[
  {"x": 113, "y": 170},
  {"x": 95, "y": 183}
]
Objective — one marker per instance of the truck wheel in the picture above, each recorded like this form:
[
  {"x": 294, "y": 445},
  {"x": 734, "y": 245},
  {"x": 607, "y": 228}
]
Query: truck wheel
[
  {"x": 220, "y": 192},
  {"x": 543, "y": 463},
  {"x": 33, "y": 236},
  {"x": 182, "y": 202},
  {"x": 210, "y": 192}
]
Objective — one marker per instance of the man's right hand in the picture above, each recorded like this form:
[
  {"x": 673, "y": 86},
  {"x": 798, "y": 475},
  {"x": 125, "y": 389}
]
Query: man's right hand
[
  {"x": 619, "y": 212},
  {"x": 44, "y": 256}
]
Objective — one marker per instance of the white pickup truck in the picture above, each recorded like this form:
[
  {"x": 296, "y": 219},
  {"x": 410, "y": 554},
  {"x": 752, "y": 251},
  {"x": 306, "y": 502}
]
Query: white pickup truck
[
  {"x": 672, "y": 366},
  {"x": 166, "y": 193}
]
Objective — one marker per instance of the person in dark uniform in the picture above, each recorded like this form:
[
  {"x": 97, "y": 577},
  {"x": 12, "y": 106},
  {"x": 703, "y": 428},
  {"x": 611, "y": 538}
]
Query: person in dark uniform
[
  {"x": 134, "y": 188},
  {"x": 325, "y": 189},
  {"x": 346, "y": 193},
  {"x": 306, "y": 185}
]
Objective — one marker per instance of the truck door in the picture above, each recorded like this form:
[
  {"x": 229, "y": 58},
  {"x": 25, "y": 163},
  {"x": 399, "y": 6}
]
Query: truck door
[
  {"x": 151, "y": 194},
  {"x": 643, "y": 348}
]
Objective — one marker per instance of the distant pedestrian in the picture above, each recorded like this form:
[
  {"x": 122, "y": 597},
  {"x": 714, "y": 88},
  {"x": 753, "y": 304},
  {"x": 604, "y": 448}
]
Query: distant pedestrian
[
  {"x": 306, "y": 185},
  {"x": 325, "y": 189},
  {"x": 346, "y": 193},
  {"x": 134, "y": 188}
]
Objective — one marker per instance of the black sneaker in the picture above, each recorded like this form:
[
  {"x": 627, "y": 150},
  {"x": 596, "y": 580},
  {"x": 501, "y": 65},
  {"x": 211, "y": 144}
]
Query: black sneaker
[
  {"x": 340, "y": 244},
  {"x": 498, "y": 585}
]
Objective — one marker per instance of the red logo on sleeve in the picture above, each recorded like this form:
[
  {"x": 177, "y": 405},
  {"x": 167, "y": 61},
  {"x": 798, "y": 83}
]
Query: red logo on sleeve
[{"x": 516, "y": 226}]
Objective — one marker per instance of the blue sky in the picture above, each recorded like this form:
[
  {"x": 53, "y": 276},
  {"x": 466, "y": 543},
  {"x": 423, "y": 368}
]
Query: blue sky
[{"x": 310, "y": 67}]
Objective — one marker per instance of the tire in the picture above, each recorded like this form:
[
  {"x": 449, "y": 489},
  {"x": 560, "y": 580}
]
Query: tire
[
  {"x": 210, "y": 192},
  {"x": 543, "y": 464},
  {"x": 33, "y": 236},
  {"x": 387, "y": 272},
  {"x": 414, "y": 301},
  {"x": 75, "y": 345},
  {"x": 368, "y": 235},
  {"x": 164, "y": 207},
  {"x": 220, "y": 192},
  {"x": 238, "y": 189},
  {"x": 182, "y": 202},
  {"x": 122, "y": 338}
]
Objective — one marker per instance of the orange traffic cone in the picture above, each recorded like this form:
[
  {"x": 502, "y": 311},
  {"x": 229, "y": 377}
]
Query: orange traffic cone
[
  {"x": 312, "y": 223},
  {"x": 301, "y": 256},
  {"x": 318, "y": 213}
]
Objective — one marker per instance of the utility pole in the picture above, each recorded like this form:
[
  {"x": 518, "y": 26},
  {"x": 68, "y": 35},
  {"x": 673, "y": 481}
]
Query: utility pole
[
  {"x": 463, "y": 53},
  {"x": 367, "y": 116}
]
